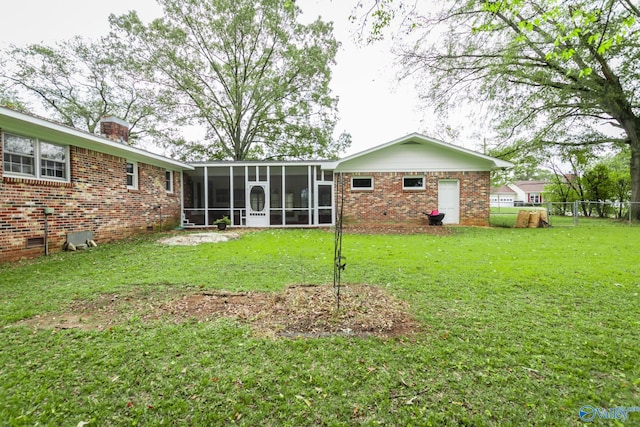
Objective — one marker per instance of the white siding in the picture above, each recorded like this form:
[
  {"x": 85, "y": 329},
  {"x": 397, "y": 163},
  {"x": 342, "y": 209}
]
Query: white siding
[{"x": 414, "y": 157}]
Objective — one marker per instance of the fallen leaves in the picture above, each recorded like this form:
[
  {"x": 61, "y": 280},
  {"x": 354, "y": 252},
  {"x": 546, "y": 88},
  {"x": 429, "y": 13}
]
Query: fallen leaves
[{"x": 297, "y": 311}]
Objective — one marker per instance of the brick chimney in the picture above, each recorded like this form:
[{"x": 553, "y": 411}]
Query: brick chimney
[{"x": 114, "y": 129}]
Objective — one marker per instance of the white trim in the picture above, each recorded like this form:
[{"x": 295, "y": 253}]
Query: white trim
[
  {"x": 316, "y": 203},
  {"x": 205, "y": 193},
  {"x": 37, "y": 160},
  {"x": 310, "y": 194},
  {"x": 422, "y": 187},
  {"x": 169, "y": 190},
  {"x": 420, "y": 139},
  {"x": 182, "y": 214},
  {"x": 260, "y": 218},
  {"x": 362, "y": 188},
  {"x": 134, "y": 185},
  {"x": 232, "y": 199},
  {"x": 13, "y": 121}
]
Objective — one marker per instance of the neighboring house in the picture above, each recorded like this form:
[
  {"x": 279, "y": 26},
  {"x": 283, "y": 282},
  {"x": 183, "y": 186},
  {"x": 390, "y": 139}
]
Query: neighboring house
[
  {"x": 72, "y": 183},
  {"x": 529, "y": 192},
  {"x": 502, "y": 197},
  {"x": 519, "y": 193},
  {"x": 87, "y": 183},
  {"x": 394, "y": 183}
]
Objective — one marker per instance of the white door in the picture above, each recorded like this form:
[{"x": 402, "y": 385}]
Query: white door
[
  {"x": 257, "y": 204},
  {"x": 449, "y": 200}
]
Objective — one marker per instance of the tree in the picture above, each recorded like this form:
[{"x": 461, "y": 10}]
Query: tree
[
  {"x": 78, "y": 82},
  {"x": 257, "y": 80},
  {"x": 9, "y": 97},
  {"x": 569, "y": 186},
  {"x": 586, "y": 176},
  {"x": 561, "y": 192},
  {"x": 528, "y": 165},
  {"x": 620, "y": 176},
  {"x": 599, "y": 187},
  {"x": 553, "y": 71}
]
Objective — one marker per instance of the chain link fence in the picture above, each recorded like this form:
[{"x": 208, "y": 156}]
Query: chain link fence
[{"x": 572, "y": 214}]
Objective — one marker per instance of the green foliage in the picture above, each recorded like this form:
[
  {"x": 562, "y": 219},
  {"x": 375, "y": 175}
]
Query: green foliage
[
  {"x": 592, "y": 178},
  {"x": 552, "y": 72},
  {"x": 527, "y": 164},
  {"x": 620, "y": 174},
  {"x": 224, "y": 220},
  {"x": 599, "y": 184},
  {"x": 375, "y": 19},
  {"x": 514, "y": 335},
  {"x": 562, "y": 190},
  {"x": 78, "y": 82},
  {"x": 9, "y": 97},
  {"x": 247, "y": 71}
]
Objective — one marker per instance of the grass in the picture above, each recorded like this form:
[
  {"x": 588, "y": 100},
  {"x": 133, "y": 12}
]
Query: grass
[{"x": 522, "y": 327}]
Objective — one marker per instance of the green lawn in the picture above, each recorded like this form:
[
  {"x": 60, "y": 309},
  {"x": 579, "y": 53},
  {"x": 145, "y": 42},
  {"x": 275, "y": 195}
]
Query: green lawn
[{"x": 521, "y": 327}]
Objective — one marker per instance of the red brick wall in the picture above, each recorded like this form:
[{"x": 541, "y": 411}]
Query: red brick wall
[
  {"x": 388, "y": 203},
  {"x": 96, "y": 199}
]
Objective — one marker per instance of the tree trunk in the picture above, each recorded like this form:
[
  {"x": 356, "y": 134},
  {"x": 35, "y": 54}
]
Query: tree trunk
[
  {"x": 631, "y": 126},
  {"x": 635, "y": 179}
]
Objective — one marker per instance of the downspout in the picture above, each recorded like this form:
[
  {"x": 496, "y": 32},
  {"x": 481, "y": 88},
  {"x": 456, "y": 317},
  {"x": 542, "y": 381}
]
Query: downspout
[
  {"x": 47, "y": 212},
  {"x": 159, "y": 208}
]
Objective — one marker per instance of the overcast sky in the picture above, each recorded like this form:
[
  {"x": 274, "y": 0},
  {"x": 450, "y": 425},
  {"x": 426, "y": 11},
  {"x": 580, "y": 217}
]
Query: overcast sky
[{"x": 374, "y": 107}]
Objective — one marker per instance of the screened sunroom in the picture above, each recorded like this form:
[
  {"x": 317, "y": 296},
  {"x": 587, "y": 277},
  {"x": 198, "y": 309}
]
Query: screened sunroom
[{"x": 258, "y": 194}]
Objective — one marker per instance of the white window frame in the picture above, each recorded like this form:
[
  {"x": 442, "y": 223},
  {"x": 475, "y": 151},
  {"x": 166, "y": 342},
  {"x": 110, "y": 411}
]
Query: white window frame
[
  {"x": 134, "y": 175},
  {"x": 168, "y": 181},
  {"x": 422, "y": 187},
  {"x": 361, "y": 188},
  {"x": 37, "y": 160}
]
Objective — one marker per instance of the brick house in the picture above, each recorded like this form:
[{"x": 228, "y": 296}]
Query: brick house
[
  {"x": 70, "y": 183},
  {"x": 398, "y": 181},
  {"x": 83, "y": 182},
  {"x": 392, "y": 183}
]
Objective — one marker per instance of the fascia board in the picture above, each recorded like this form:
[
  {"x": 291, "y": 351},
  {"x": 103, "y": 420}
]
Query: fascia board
[
  {"x": 497, "y": 163},
  {"x": 14, "y": 121}
]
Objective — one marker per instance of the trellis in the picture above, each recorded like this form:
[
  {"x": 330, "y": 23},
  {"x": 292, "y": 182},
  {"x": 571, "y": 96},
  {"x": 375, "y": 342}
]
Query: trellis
[{"x": 339, "y": 262}]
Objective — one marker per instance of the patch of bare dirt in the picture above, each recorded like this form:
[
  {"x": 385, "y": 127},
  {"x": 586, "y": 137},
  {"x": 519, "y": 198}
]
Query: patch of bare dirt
[
  {"x": 298, "y": 311},
  {"x": 436, "y": 230},
  {"x": 190, "y": 239}
]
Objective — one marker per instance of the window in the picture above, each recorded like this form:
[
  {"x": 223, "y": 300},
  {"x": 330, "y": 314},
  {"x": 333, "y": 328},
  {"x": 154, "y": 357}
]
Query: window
[
  {"x": 52, "y": 161},
  {"x": 168, "y": 181},
  {"x": 413, "y": 183},
  {"x": 26, "y": 156},
  {"x": 132, "y": 175},
  {"x": 361, "y": 183}
]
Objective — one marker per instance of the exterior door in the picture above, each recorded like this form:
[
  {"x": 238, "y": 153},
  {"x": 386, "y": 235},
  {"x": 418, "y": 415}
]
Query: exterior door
[
  {"x": 258, "y": 204},
  {"x": 324, "y": 199},
  {"x": 449, "y": 200}
]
